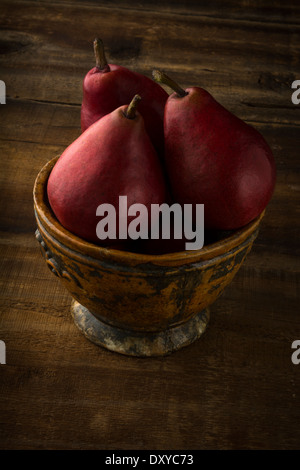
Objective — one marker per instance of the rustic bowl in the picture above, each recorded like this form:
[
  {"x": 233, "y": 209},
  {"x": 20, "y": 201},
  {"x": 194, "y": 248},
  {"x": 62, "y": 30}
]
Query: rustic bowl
[{"x": 136, "y": 304}]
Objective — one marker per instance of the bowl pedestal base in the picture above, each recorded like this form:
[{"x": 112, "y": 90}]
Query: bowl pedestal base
[{"x": 137, "y": 343}]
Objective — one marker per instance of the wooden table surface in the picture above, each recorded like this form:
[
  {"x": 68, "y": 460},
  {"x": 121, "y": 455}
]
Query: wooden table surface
[{"x": 236, "y": 387}]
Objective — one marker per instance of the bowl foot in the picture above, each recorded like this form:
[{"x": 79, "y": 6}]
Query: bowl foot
[{"x": 139, "y": 344}]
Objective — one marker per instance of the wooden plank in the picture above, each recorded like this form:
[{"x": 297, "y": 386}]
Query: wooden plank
[
  {"x": 256, "y": 10},
  {"x": 231, "y": 59},
  {"x": 48, "y": 122}
]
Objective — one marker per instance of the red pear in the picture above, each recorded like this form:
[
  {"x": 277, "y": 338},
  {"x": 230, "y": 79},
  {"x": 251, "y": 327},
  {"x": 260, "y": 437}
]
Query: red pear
[
  {"x": 108, "y": 86},
  {"x": 113, "y": 157},
  {"x": 214, "y": 158}
]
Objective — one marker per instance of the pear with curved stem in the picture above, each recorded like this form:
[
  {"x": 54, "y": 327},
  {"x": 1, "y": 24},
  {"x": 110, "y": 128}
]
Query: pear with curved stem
[
  {"x": 214, "y": 158},
  {"x": 114, "y": 157},
  {"x": 108, "y": 86}
]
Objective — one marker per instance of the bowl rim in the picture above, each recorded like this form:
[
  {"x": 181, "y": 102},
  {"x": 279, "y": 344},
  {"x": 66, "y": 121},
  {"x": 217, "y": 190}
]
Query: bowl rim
[{"x": 47, "y": 220}]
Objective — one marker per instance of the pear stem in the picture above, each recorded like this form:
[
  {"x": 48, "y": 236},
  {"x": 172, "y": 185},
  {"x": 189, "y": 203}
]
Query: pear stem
[
  {"x": 101, "y": 62},
  {"x": 131, "y": 109},
  {"x": 161, "y": 77}
]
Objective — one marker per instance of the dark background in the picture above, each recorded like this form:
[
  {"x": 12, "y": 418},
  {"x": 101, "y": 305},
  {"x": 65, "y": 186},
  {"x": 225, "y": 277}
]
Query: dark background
[{"x": 235, "y": 388}]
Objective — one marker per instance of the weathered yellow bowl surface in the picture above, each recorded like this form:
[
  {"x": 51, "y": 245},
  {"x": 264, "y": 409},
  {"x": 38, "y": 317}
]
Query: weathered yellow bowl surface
[{"x": 136, "y": 304}]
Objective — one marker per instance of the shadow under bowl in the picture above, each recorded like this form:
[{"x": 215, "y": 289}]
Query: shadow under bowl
[{"x": 138, "y": 304}]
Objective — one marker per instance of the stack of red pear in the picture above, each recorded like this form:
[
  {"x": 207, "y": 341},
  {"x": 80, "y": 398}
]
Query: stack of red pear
[{"x": 139, "y": 142}]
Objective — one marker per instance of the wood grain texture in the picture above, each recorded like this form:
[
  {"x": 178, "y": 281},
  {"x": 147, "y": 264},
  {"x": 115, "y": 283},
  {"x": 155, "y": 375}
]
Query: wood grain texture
[{"x": 234, "y": 388}]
